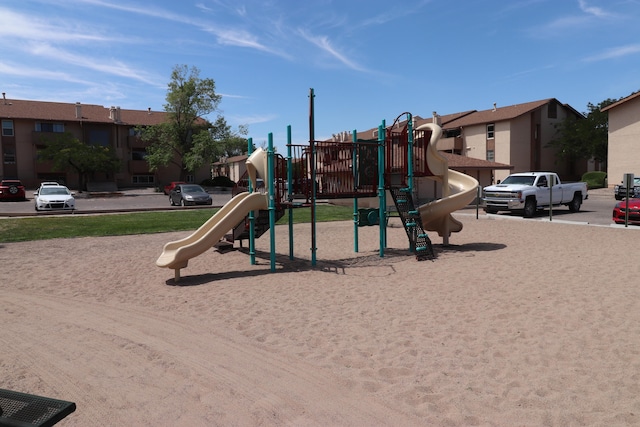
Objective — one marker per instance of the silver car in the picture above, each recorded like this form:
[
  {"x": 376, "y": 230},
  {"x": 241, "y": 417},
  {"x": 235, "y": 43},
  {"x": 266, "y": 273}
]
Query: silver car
[{"x": 189, "y": 194}]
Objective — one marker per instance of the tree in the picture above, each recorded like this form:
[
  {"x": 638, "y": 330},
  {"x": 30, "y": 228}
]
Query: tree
[
  {"x": 69, "y": 153},
  {"x": 187, "y": 139},
  {"x": 584, "y": 138}
]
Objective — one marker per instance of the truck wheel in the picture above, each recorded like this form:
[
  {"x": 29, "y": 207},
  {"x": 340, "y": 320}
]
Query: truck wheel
[
  {"x": 574, "y": 205},
  {"x": 530, "y": 208}
]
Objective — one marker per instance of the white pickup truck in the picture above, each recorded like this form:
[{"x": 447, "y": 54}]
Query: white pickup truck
[{"x": 530, "y": 191}]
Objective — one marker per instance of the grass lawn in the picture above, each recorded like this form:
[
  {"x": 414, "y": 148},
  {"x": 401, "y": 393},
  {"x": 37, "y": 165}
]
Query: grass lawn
[{"x": 65, "y": 226}]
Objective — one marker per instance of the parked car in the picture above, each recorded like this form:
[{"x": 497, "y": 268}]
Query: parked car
[
  {"x": 619, "y": 210},
  {"x": 171, "y": 186},
  {"x": 189, "y": 194},
  {"x": 12, "y": 189},
  {"x": 52, "y": 197},
  {"x": 620, "y": 190}
]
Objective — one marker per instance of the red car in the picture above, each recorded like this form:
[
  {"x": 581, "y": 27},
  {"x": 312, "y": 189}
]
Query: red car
[
  {"x": 171, "y": 186},
  {"x": 12, "y": 189},
  {"x": 633, "y": 205}
]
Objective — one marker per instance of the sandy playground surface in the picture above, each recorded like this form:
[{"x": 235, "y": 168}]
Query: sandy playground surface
[{"x": 516, "y": 323}]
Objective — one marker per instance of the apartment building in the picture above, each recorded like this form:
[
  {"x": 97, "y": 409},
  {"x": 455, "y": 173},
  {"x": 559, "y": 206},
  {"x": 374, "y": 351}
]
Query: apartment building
[
  {"x": 26, "y": 125},
  {"x": 624, "y": 138}
]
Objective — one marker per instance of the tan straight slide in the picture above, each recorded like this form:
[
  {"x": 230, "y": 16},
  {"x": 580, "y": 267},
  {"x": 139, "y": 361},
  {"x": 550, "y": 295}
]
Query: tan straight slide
[{"x": 177, "y": 254}]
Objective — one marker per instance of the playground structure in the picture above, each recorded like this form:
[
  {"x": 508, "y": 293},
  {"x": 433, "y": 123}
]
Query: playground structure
[{"x": 338, "y": 170}]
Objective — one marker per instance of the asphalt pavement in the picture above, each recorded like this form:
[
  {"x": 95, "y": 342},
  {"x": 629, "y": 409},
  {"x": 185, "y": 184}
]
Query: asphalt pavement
[
  {"x": 129, "y": 200},
  {"x": 595, "y": 211}
]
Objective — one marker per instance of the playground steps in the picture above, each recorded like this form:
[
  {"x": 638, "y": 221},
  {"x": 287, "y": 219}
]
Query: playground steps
[
  {"x": 418, "y": 239},
  {"x": 241, "y": 231}
]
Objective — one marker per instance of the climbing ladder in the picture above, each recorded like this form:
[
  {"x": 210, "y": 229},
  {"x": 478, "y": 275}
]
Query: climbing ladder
[{"x": 412, "y": 223}]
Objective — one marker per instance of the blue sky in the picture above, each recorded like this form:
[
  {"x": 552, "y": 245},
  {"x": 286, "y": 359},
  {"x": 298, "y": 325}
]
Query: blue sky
[{"x": 367, "y": 60}]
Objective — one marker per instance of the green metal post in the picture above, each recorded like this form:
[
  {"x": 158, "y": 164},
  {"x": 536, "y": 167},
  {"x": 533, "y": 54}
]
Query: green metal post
[
  {"x": 354, "y": 169},
  {"x": 410, "y": 172},
  {"x": 289, "y": 190},
  {"x": 272, "y": 204},
  {"x": 251, "y": 216}
]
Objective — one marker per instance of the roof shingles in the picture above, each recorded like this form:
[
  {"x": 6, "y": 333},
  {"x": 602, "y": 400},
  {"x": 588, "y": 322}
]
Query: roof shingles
[{"x": 65, "y": 112}]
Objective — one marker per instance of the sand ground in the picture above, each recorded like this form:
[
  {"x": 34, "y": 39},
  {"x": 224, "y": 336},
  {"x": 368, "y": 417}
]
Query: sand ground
[{"x": 516, "y": 323}]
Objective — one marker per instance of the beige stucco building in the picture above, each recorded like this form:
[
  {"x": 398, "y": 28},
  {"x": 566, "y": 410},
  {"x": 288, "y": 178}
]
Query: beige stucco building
[
  {"x": 517, "y": 135},
  {"x": 624, "y": 139}
]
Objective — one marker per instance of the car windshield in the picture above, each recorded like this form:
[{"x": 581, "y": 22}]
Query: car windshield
[
  {"x": 53, "y": 191},
  {"x": 192, "y": 189},
  {"x": 519, "y": 180}
]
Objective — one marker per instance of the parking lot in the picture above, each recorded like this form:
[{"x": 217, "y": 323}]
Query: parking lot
[
  {"x": 145, "y": 199},
  {"x": 595, "y": 211}
]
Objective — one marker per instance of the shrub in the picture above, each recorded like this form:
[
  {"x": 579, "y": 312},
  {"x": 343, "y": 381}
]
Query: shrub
[
  {"x": 595, "y": 179},
  {"x": 218, "y": 181}
]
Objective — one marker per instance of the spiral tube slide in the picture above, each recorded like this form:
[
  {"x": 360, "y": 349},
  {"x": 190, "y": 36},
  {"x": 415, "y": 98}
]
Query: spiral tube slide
[{"x": 458, "y": 190}]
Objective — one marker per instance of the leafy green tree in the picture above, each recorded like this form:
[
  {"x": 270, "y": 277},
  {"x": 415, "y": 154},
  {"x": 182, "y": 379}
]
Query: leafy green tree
[
  {"x": 584, "y": 138},
  {"x": 187, "y": 139},
  {"x": 68, "y": 153}
]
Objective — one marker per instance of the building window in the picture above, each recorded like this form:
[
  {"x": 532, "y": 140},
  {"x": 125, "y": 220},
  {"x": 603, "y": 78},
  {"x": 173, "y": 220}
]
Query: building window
[
  {"x": 99, "y": 137},
  {"x": 7, "y": 128},
  {"x": 142, "y": 179},
  {"x": 491, "y": 156},
  {"x": 9, "y": 156},
  {"x": 190, "y": 179},
  {"x": 49, "y": 127},
  {"x": 138, "y": 154},
  {"x": 491, "y": 131},
  {"x": 552, "y": 110}
]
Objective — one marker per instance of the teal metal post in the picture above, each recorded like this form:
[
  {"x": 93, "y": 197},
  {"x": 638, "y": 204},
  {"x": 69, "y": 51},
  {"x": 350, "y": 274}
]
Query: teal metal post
[
  {"x": 410, "y": 173},
  {"x": 272, "y": 204},
  {"x": 252, "y": 219},
  {"x": 354, "y": 168},
  {"x": 290, "y": 189},
  {"x": 312, "y": 142},
  {"x": 381, "y": 191}
]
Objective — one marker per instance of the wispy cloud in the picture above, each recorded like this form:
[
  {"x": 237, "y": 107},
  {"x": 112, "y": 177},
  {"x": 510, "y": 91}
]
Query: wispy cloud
[
  {"x": 393, "y": 14},
  {"x": 12, "y": 69},
  {"x": 325, "y": 45},
  {"x": 252, "y": 120},
  {"x": 593, "y": 10},
  {"x": 112, "y": 67},
  {"x": 224, "y": 35},
  {"x": 586, "y": 16},
  {"x": 613, "y": 53},
  {"x": 19, "y": 26}
]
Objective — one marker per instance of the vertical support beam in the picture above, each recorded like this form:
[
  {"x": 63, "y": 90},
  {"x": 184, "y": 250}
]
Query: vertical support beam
[
  {"x": 381, "y": 191},
  {"x": 290, "y": 190},
  {"x": 252, "y": 216},
  {"x": 312, "y": 143},
  {"x": 410, "y": 151},
  {"x": 354, "y": 169},
  {"x": 412, "y": 246},
  {"x": 270, "y": 182}
]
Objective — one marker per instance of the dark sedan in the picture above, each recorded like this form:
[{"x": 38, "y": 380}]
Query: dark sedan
[
  {"x": 189, "y": 194},
  {"x": 621, "y": 208}
]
